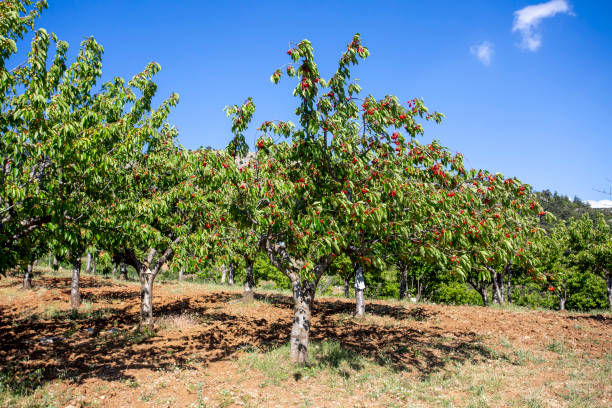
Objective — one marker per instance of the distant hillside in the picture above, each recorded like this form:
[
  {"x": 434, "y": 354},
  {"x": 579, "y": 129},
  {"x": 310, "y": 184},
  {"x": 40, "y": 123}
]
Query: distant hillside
[{"x": 564, "y": 208}]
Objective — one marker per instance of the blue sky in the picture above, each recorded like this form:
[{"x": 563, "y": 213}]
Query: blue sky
[{"x": 525, "y": 91}]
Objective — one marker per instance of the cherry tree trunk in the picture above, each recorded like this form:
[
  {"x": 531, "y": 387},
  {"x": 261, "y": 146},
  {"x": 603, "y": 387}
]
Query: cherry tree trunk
[
  {"x": 347, "y": 282},
  {"x": 498, "y": 296},
  {"x": 403, "y": 282},
  {"x": 146, "y": 298},
  {"x": 27, "y": 279},
  {"x": 230, "y": 275},
  {"x": 485, "y": 295},
  {"x": 93, "y": 264},
  {"x": 419, "y": 296},
  {"x": 249, "y": 284},
  {"x": 55, "y": 264},
  {"x": 359, "y": 289},
  {"x": 88, "y": 265},
  {"x": 115, "y": 271},
  {"x": 223, "y": 273},
  {"x": 303, "y": 295},
  {"x": 181, "y": 273},
  {"x": 123, "y": 271},
  {"x": 75, "y": 294}
]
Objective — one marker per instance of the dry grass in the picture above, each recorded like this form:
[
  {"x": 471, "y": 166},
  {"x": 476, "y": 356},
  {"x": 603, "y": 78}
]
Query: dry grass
[{"x": 176, "y": 321}]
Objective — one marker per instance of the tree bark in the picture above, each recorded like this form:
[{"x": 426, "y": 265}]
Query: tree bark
[
  {"x": 484, "y": 294},
  {"x": 502, "y": 287},
  {"x": 115, "y": 271},
  {"x": 55, "y": 264},
  {"x": 123, "y": 271},
  {"x": 498, "y": 295},
  {"x": 27, "y": 279},
  {"x": 147, "y": 272},
  {"x": 359, "y": 292},
  {"x": 181, "y": 273},
  {"x": 93, "y": 264},
  {"x": 562, "y": 301},
  {"x": 403, "y": 282},
  {"x": 88, "y": 265},
  {"x": 419, "y": 296},
  {"x": 303, "y": 295},
  {"x": 223, "y": 273},
  {"x": 146, "y": 298},
  {"x": 347, "y": 282},
  {"x": 249, "y": 283},
  {"x": 75, "y": 294},
  {"x": 230, "y": 275}
]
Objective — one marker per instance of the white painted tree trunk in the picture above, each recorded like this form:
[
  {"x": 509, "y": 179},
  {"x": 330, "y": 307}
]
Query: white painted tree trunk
[
  {"x": 223, "y": 273},
  {"x": 498, "y": 294},
  {"x": 485, "y": 296},
  {"x": 146, "y": 299},
  {"x": 75, "y": 294},
  {"x": 27, "y": 279},
  {"x": 88, "y": 265},
  {"x": 249, "y": 284},
  {"x": 230, "y": 275},
  {"x": 300, "y": 331},
  {"x": 359, "y": 292},
  {"x": 403, "y": 281},
  {"x": 562, "y": 303},
  {"x": 123, "y": 271},
  {"x": 181, "y": 273}
]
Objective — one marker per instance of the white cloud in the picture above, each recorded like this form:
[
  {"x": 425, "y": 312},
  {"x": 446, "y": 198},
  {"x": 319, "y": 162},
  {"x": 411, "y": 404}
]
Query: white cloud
[
  {"x": 484, "y": 52},
  {"x": 527, "y": 19},
  {"x": 600, "y": 203}
]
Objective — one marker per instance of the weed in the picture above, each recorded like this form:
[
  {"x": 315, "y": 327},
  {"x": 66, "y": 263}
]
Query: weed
[
  {"x": 557, "y": 347},
  {"x": 140, "y": 336},
  {"x": 504, "y": 342},
  {"x": 146, "y": 396}
]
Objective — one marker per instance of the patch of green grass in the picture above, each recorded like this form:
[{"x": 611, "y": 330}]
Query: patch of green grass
[
  {"x": 139, "y": 336},
  {"x": 522, "y": 357},
  {"x": 557, "y": 347},
  {"x": 504, "y": 342},
  {"x": 146, "y": 396},
  {"x": 19, "y": 389}
]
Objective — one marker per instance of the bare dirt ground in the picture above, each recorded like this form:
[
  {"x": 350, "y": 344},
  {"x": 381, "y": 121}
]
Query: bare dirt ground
[{"x": 211, "y": 350}]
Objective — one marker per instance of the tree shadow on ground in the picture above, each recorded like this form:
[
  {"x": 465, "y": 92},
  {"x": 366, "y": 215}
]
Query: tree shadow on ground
[
  {"x": 102, "y": 343},
  {"x": 327, "y": 307},
  {"x": 606, "y": 320}
]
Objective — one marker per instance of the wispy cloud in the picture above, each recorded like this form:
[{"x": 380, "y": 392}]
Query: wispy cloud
[
  {"x": 600, "y": 203},
  {"x": 484, "y": 52},
  {"x": 527, "y": 19}
]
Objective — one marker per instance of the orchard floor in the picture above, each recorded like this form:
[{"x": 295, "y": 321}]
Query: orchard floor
[{"x": 209, "y": 350}]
